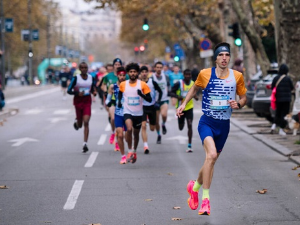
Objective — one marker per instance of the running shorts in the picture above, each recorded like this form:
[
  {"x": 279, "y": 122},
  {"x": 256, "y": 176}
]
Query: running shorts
[
  {"x": 151, "y": 113},
  {"x": 217, "y": 129},
  {"x": 120, "y": 122},
  {"x": 82, "y": 110},
  {"x": 188, "y": 115},
  {"x": 163, "y": 102},
  {"x": 64, "y": 84},
  {"x": 136, "y": 120}
]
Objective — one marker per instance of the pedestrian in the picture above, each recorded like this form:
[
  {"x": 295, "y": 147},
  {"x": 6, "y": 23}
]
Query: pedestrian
[
  {"x": 2, "y": 98},
  {"x": 111, "y": 78},
  {"x": 82, "y": 86},
  {"x": 220, "y": 86},
  {"x": 179, "y": 91},
  {"x": 119, "y": 115},
  {"x": 284, "y": 87},
  {"x": 133, "y": 91},
  {"x": 149, "y": 107},
  {"x": 163, "y": 82}
]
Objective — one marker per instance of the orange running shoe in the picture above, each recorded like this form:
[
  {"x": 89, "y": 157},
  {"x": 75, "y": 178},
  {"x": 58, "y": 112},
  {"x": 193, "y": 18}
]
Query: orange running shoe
[
  {"x": 129, "y": 155},
  {"x": 132, "y": 157},
  {"x": 112, "y": 138},
  {"x": 193, "y": 200},
  {"x": 117, "y": 148},
  {"x": 205, "y": 207}
]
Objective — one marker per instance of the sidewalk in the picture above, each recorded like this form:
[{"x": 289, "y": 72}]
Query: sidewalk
[{"x": 260, "y": 129}]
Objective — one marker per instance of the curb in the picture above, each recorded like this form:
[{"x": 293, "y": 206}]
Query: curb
[{"x": 273, "y": 145}]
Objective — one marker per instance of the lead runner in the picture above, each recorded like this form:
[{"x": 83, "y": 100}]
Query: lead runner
[{"x": 220, "y": 86}]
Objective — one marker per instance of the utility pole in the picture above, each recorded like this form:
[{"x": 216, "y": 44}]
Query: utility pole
[
  {"x": 48, "y": 32},
  {"x": 2, "y": 45},
  {"x": 30, "y": 44}
]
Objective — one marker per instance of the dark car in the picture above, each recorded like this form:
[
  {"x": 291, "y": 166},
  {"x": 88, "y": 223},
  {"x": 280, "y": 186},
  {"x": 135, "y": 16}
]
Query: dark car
[
  {"x": 251, "y": 88},
  {"x": 262, "y": 98}
]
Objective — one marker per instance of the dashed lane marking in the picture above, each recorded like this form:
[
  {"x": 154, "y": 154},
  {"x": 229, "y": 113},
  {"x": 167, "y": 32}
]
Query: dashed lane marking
[
  {"x": 74, "y": 194},
  {"x": 102, "y": 139},
  {"x": 91, "y": 159}
]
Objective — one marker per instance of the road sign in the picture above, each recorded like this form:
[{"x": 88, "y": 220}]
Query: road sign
[
  {"x": 179, "y": 51},
  {"x": 167, "y": 49},
  {"x": 34, "y": 34},
  {"x": 205, "y": 44},
  {"x": 9, "y": 25},
  {"x": 206, "y": 53}
]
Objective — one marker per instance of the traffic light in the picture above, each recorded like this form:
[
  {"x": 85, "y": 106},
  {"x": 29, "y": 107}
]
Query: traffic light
[
  {"x": 136, "y": 50},
  {"x": 176, "y": 58},
  {"x": 142, "y": 48},
  {"x": 146, "y": 43},
  {"x": 235, "y": 34},
  {"x": 145, "y": 25},
  {"x": 30, "y": 53}
]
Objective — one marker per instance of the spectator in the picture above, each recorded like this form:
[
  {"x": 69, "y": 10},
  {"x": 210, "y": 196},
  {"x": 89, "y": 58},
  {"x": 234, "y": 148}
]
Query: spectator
[
  {"x": 238, "y": 65},
  {"x": 283, "y": 97},
  {"x": 195, "y": 72},
  {"x": 2, "y": 98}
]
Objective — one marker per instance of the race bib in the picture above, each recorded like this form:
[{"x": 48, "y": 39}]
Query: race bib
[
  {"x": 219, "y": 102},
  {"x": 133, "y": 100},
  {"x": 63, "y": 79},
  {"x": 184, "y": 94},
  {"x": 85, "y": 90}
]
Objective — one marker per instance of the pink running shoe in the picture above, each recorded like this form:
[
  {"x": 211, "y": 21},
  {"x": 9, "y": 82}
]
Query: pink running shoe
[
  {"x": 193, "y": 200},
  {"x": 123, "y": 160},
  {"x": 112, "y": 138},
  {"x": 117, "y": 148},
  {"x": 205, "y": 207}
]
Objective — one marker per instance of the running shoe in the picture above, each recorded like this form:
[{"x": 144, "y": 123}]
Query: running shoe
[
  {"x": 123, "y": 160},
  {"x": 158, "y": 139},
  {"x": 164, "y": 129},
  {"x": 85, "y": 148},
  {"x": 75, "y": 125},
  {"x": 132, "y": 158},
  {"x": 205, "y": 207},
  {"x": 112, "y": 138},
  {"x": 117, "y": 148},
  {"x": 193, "y": 200},
  {"x": 189, "y": 150},
  {"x": 146, "y": 150},
  {"x": 129, "y": 155}
]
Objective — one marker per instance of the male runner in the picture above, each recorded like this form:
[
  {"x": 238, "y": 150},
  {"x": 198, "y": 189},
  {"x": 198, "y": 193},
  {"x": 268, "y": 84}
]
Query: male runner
[
  {"x": 134, "y": 91},
  {"x": 179, "y": 91},
  {"x": 64, "y": 77},
  {"x": 149, "y": 107},
  {"x": 119, "y": 116},
  {"x": 175, "y": 76},
  {"x": 111, "y": 78},
  {"x": 82, "y": 86},
  {"x": 161, "y": 79},
  {"x": 220, "y": 86}
]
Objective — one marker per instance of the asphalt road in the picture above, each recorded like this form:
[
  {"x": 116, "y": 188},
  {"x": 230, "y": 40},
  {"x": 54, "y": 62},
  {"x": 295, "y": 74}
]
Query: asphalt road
[{"x": 50, "y": 181}]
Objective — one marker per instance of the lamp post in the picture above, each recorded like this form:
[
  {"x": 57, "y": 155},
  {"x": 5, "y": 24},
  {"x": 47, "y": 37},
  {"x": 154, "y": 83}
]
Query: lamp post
[
  {"x": 2, "y": 45},
  {"x": 30, "y": 52}
]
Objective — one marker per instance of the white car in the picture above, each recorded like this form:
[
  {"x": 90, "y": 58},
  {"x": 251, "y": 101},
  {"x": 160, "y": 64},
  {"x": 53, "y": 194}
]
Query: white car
[{"x": 296, "y": 106}]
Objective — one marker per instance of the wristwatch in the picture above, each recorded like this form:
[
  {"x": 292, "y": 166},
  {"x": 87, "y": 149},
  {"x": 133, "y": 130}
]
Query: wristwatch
[{"x": 239, "y": 105}]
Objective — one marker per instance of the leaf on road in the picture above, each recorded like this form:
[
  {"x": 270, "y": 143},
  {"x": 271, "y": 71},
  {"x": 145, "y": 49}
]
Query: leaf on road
[
  {"x": 298, "y": 174},
  {"x": 148, "y": 200},
  {"x": 48, "y": 222},
  {"x": 176, "y": 219},
  {"x": 170, "y": 174},
  {"x": 296, "y": 167},
  {"x": 3, "y": 187},
  {"x": 176, "y": 207},
  {"x": 95, "y": 224},
  {"x": 263, "y": 191}
]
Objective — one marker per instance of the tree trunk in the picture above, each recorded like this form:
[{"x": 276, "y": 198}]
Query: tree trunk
[
  {"x": 252, "y": 34},
  {"x": 288, "y": 34}
]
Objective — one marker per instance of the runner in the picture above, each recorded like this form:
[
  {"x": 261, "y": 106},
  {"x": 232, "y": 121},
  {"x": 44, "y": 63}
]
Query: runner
[
  {"x": 179, "y": 91},
  {"x": 111, "y": 78},
  {"x": 175, "y": 76},
  {"x": 161, "y": 79},
  {"x": 134, "y": 91},
  {"x": 119, "y": 116},
  {"x": 220, "y": 86},
  {"x": 64, "y": 77},
  {"x": 149, "y": 107},
  {"x": 82, "y": 86}
]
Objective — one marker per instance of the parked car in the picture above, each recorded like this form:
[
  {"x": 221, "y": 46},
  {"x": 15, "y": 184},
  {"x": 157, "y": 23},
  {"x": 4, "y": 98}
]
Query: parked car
[
  {"x": 262, "y": 98},
  {"x": 251, "y": 87},
  {"x": 296, "y": 105}
]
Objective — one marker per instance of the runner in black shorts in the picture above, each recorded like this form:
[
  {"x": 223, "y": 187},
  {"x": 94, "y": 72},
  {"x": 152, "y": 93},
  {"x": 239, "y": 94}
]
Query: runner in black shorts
[
  {"x": 149, "y": 107},
  {"x": 179, "y": 91}
]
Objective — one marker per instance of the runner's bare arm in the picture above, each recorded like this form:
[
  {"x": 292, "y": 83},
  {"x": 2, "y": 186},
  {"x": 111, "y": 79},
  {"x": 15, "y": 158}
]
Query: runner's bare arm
[{"x": 188, "y": 97}]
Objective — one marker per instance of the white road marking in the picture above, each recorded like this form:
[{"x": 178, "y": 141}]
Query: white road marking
[
  {"x": 181, "y": 139},
  {"x": 56, "y": 119},
  {"x": 102, "y": 139},
  {"x": 74, "y": 194},
  {"x": 91, "y": 159},
  {"x": 61, "y": 112},
  {"x": 108, "y": 127},
  {"x": 32, "y": 112},
  {"x": 21, "y": 141}
]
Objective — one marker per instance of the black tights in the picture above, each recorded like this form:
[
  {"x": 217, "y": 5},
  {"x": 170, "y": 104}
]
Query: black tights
[{"x": 282, "y": 109}]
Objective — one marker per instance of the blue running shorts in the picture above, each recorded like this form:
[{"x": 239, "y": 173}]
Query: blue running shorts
[
  {"x": 217, "y": 129},
  {"x": 120, "y": 122}
]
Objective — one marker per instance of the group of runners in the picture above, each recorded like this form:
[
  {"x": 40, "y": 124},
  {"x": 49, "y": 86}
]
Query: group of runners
[{"x": 134, "y": 98}]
